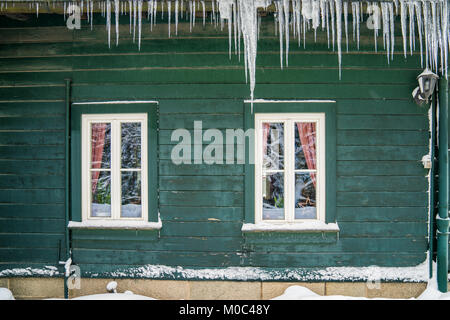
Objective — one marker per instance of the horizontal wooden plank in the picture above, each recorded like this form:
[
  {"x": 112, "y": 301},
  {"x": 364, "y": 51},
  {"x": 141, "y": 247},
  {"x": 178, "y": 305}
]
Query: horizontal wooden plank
[
  {"x": 49, "y": 92},
  {"x": 181, "y": 213},
  {"x": 36, "y": 255},
  {"x": 48, "y": 211},
  {"x": 105, "y": 60},
  {"x": 201, "y": 106},
  {"x": 383, "y": 214},
  {"x": 41, "y": 225},
  {"x": 194, "y": 244},
  {"x": 115, "y": 235},
  {"x": 336, "y": 259},
  {"x": 32, "y": 167},
  {"x": 385, "y": 107},
  {"x": 28, "y": 240},
  {"x": 381, "y": 168},
  {"x": 201, "y": 229},
  {"x": 382, "y": 183},
  {"x": 34, "y": 123},
  {"x": 31, "y": 181},
  {"x": 31, "y": 138},
  {"x": 29, "y": 109},
  {"x": 388, "y": 199},
  {"x": 167, "y": 167},
  {"x": 165, "y": 137},
  {"x": 203, "y": 183},
  {"x": 382, "y": 138},
  {"x": 92, "y": 92},
  {"x": 383, "y": 229},
  {"x": 202, "y": 198},
  {"x": 32, "y": 152},
  {"x": 348, "y": 245},
  {"x": 186, "y": 259},
  {"x": 381, "y": 153},
  {"x": 393, "y": 122},
  {"x": 32, "y": 195},
  {"x": 208, "y": 154},
  {"x": 215, "y": 121},
  {"x": 233, "y": 74}
]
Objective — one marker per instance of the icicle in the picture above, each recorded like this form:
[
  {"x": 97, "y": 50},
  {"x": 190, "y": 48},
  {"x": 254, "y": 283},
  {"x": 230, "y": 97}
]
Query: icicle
[
  {"x": 392, "y": 28},
  {"x": 235, "y": 27},
  {"x": 286, "y": 28},
  {"x": 357, "y": 11},
  {"x": 386, "y": 29},
  {"x": 346, "y": 23},
  {"x": 108, "y": 21},
  {"x": 333, "y": 31},
  {"x": 426, "y": 27},
  {"x": 354, "y": 20},
  {"x": 403, "y": 24},
  {"x": 190, "y": 15},
  {"x": 280, "y": 15},
  {"x": 419, "y": 28},
  {"x": 176, "y": 17},
  {"x": 411, "y": 27},
  {"x": 134, "y": 19},
  {"x": 92, "y": 12},
  {"x": 37, "y": 9},
  {"x": 169, "y": 13},
  {"x": 338, "y": 4},
  {"x": 130, "y": 13},
  {"x": 204, "y": 12},
  {"x": 116, "y": 12},
  {"x": 444, "y": 36},
  {"x": 139, "y": 23},
  {"x": 249, "y": 32}
]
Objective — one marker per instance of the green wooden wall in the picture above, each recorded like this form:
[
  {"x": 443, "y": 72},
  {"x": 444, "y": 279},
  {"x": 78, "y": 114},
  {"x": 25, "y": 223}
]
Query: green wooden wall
[{"x": 381, "y": 138}]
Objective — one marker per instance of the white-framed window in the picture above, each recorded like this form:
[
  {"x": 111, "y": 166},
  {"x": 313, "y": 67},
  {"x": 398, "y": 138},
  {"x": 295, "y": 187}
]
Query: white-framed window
[
  {"x": 114, "y": 167},
  {"x": 289, "y": 167}
]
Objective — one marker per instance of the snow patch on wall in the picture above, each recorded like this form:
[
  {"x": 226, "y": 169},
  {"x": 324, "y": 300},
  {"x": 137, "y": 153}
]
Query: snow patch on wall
[
  {"x": 404, "y": 274},
  {"x": 47, "y": 271}
]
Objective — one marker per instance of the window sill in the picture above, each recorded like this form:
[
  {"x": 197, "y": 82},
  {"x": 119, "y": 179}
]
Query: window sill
[
  {"x": 307, "y": 226},
  {"x": 115, "y": 224}
]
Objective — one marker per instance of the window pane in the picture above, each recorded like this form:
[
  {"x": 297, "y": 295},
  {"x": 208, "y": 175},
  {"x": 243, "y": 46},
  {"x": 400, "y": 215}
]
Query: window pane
[
  {"x": 131, "y": 144},
  {"x": 100, "y": 194},
  {"x": 305, "y": 145},
  {"x": 100, "y": 145},
  {"x": 273, "y": 196},
  {"x": 305, "y": 196},
  {"x": 131, "y": 195},
  {"x": 273, "y": 146}
]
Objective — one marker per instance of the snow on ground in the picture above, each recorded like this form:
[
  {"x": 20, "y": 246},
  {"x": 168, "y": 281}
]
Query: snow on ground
[
  {"x": 6, "y": 294},
  {"x": 114, "y": 296},
  {"x": 302, "y": 293}
]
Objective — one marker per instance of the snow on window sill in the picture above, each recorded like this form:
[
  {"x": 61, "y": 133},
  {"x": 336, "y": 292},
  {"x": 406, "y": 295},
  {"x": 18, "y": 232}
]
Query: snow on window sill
[
  {"x": 115, "y": 224},
  {"x": 306, "y": 226}
]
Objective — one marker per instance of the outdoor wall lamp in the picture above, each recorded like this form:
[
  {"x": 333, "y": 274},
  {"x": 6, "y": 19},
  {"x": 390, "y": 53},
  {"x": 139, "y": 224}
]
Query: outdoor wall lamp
[{"x": 427, "y": 81}]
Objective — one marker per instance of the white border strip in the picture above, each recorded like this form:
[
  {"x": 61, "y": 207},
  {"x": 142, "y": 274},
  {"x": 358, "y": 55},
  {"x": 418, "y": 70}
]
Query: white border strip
[
  {"x": 116, "y": 102},
  {"x": 288, "y": 101}
]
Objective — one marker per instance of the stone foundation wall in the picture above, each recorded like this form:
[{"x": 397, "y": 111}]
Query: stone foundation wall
[{"x": 43, "y": 288}]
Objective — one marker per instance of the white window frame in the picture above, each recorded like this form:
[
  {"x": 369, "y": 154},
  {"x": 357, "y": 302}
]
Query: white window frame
[
  {"x": 115, "y": 119},
  {"x": 289, "y": 164}
]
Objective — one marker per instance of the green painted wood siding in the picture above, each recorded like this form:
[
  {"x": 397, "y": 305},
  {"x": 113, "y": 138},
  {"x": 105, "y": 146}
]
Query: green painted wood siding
[{"x": 381, "y": 138}]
